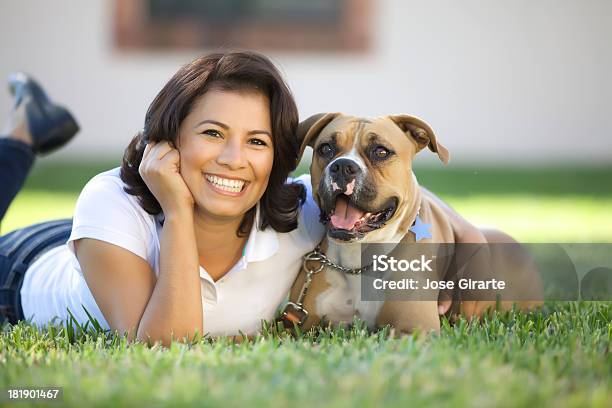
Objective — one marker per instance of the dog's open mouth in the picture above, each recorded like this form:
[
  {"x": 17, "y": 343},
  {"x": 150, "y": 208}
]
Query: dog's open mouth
[{"x": 348, "y": 221}]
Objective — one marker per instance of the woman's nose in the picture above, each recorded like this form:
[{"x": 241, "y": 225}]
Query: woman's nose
[{"x": 232, "y": 155}]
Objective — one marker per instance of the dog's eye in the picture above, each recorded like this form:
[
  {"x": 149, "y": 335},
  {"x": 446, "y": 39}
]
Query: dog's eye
[
  {"x": 325, "y": 150},
  {"x": 381, "y": 152}
]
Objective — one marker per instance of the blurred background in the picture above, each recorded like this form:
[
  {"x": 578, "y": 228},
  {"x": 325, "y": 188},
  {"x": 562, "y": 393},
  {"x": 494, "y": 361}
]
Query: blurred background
[{"x": 520, "y": 92}]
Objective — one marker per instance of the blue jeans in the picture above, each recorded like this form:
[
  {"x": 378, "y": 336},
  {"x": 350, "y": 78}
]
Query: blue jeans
[
  {"x": 20, "y": 248},
  {"x": 16, "y": 159}
]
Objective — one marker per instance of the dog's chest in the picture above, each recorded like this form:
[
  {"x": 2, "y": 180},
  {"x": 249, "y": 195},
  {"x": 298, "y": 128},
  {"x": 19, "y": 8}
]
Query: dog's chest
[{"x": 342, "y": 300}]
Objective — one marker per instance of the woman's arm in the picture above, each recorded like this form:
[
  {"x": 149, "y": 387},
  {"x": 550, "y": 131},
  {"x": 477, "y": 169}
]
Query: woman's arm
[
  {"x": 124, "y": 285},
  {"x": 175, "y": 306},
  {"x": 132, "y": 300}
]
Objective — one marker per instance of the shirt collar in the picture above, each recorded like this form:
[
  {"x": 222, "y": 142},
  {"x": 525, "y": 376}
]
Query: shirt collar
[{"x": 261, "y": 245}]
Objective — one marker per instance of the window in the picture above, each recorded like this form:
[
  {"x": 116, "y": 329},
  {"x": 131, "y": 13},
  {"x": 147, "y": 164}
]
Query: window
[{"x": 287, "y": 25}]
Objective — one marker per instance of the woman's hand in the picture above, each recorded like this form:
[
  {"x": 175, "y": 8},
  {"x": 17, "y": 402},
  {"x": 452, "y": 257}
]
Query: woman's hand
[{"x": 160, "y": 170}]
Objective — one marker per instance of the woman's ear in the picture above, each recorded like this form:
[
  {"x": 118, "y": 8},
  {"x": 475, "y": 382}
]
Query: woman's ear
[
  {"x": 421, "y": 133},
  {"x": 309, "y": 129}
]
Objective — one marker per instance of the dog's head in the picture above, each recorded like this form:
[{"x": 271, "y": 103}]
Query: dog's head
[{"x": 361, "y": 169}]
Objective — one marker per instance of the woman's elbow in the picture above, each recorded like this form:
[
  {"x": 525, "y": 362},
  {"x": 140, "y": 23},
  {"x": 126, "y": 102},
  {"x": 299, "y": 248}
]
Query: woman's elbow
[{"x": 165, "y": 337}]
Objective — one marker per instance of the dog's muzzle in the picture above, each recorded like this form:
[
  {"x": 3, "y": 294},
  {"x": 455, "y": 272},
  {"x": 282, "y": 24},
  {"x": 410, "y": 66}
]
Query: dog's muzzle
[
  {"x": 346, "y": 196},
  {"x": 343, "y": 173}
]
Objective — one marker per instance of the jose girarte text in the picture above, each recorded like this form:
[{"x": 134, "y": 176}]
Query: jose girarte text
[{"x": 385, "y": 263}]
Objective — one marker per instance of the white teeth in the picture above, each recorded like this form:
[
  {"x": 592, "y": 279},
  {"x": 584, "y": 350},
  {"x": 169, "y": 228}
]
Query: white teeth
[
  {"x": 364, "y": 216},
  {"x": 234, "y": 186}
]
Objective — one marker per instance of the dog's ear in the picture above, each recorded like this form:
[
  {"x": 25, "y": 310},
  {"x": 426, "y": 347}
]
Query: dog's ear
[
  {"x": 422, "y": 134},
  {"x": 309, "y": 129}
]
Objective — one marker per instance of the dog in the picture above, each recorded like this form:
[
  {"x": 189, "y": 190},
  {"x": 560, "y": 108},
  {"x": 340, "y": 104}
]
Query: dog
[{"x": 362, "y": 180}]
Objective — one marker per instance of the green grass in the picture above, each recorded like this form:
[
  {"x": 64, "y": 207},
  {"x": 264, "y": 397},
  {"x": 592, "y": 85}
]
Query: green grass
[
  {"x": 559, "y": 356},
  {"x": 556, "y": 357}
]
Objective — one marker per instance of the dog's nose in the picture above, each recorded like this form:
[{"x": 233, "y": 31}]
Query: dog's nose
[{"x": 344, "y": 168}]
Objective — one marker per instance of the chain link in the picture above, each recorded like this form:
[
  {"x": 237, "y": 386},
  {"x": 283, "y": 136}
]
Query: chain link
[
  {"x": 295, "y": 313},
  {"x": 317, "y": 255}
]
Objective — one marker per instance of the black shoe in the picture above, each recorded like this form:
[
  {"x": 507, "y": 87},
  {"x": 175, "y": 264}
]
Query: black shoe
[{"x": 51, "y": 126}]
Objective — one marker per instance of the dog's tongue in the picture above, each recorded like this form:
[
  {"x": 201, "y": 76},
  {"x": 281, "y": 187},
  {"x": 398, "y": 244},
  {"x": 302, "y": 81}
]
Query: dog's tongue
[{"x": 345, "y": 215}]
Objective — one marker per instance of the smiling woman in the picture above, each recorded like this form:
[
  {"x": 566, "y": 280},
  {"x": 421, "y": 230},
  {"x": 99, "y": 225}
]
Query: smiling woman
[
  {"x": 199, "y": 231},
  {"x": 210, "y": 91},
  {"x": 233, "y": 153}
]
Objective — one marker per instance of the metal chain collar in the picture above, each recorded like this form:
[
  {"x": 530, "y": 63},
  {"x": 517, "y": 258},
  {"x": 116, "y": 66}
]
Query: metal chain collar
[
  {"x": 294, "y": 313},
  {"x": 317, "y": 255}
]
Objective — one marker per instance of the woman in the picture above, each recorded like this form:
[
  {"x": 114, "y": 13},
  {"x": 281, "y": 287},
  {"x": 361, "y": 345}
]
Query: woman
[{"x": 186, "y": 237}]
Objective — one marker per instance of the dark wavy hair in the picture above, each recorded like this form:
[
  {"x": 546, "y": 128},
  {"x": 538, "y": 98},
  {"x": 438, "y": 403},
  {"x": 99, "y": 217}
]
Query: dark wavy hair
[{"x": 230, "y": 71}]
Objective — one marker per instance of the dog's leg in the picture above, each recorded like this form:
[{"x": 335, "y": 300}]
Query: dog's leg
[
  {"x": 513, "y": 264},
  {"x": 409, "y": 316},
  {"x": 509, "y": 262},
  {"x": 417, "y": 309}
]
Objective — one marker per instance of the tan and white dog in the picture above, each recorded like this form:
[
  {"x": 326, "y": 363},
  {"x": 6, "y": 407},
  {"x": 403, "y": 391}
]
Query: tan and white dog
[{"x": 363, "y": 182}]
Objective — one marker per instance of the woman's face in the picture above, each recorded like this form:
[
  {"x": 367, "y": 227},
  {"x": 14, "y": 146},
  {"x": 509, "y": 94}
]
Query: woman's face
[{"x": 226, "y": 152}]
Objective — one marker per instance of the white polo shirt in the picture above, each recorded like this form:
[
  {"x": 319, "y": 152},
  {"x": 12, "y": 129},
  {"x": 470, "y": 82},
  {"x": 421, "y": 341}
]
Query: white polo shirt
[{"x": 249, "y": 293}]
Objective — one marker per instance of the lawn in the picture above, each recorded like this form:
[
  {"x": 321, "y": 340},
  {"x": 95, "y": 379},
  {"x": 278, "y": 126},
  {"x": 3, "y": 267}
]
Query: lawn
[{"x": 559, "y": 356}]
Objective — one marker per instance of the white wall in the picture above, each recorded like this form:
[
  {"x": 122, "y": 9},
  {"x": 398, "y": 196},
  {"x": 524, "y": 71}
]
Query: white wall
[{"x": 522, "y": 80}]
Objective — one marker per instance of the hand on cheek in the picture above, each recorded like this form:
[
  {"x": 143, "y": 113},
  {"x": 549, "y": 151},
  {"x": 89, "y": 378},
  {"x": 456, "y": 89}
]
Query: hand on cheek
[{"x": 160, "y": 170}]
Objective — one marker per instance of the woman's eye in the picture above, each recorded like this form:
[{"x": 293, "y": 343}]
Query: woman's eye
[
  {"x": 258, "y": 142},
  {"x": 381, "y": 152},
  {"x": 212, "y": 132},
  {"x": 325, "y": 150}
]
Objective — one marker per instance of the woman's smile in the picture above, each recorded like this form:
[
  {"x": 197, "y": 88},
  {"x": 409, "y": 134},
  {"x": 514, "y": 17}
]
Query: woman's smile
[{"x": 224, "y": 185}]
